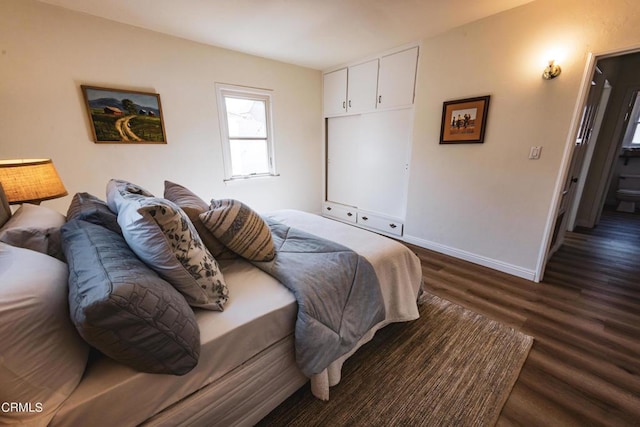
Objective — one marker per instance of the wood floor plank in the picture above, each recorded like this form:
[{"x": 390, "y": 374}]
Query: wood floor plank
[{"x": 584, "y": 367}]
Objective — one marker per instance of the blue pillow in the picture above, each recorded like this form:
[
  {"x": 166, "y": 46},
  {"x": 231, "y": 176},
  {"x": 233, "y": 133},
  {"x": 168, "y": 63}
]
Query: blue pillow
[
  {"x": 92, "y": 209},
  {"x": 123, "y": 308}
]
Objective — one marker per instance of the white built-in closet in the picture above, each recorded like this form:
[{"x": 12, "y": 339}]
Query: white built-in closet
[{"x": 368, "y": 108}]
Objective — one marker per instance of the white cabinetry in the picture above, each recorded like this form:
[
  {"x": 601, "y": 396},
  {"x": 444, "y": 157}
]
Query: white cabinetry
[
  {"x": 381, "y": 83},
  {"x": 372, "y": 221},
  {"x": 362, "y": 85},
  {"x": 367, "y": 166},
  {"x": 397, "y": 78},
  {"x": 368, "y": 108},
  {"x": 335, "y": 92}
]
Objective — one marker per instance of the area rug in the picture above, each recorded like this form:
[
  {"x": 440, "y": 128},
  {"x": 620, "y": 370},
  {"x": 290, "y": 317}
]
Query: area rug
[{"x": 451, "y": 367}]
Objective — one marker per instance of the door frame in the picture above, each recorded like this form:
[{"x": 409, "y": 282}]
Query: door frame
[{"x": 583, "y": 92}]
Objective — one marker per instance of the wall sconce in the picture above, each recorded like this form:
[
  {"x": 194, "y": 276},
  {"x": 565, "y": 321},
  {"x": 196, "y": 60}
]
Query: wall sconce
[
  {"x": 30, "y": 181},
  {"x": 552, "y": 71}
]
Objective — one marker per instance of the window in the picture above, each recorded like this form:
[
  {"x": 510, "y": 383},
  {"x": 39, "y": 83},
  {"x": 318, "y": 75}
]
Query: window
[
  {"x": 632, "y": 134},
  {"x": 247, "y": 135}
]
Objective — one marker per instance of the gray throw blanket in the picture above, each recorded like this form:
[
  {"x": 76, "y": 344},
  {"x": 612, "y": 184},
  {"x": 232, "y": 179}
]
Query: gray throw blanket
[{"x": 337, "y": 290}]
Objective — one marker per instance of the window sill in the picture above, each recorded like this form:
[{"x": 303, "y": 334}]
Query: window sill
[{"x": 246, "y": 178}]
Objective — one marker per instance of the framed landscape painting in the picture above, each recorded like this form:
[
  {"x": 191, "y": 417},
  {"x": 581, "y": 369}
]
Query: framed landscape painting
[
  {"x": 124, "y": 117},
  {"x": 464, "y": 120}
]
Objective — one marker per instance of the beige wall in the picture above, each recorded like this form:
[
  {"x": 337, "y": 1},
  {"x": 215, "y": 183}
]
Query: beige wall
[
  {"x": 488, "y": 202},
  {"x": 46, "y": 53}
]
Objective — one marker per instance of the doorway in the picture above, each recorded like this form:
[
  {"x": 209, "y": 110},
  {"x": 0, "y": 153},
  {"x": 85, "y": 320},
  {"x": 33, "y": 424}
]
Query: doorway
[{"x": 593, "y": 165}]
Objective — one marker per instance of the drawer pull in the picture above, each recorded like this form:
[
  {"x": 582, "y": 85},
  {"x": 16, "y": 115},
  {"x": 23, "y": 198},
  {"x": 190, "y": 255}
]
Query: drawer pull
[
  {"x": 392, "y": 225},
  {"x": 349, "y": 214},
  {"x": 328, "y": 208},
  {"x": 364, "y": 218}
]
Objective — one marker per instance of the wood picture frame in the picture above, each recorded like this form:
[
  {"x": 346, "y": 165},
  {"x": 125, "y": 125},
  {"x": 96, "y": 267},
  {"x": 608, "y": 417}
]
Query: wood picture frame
[
  {"x": 120, "y": 116},
  {"x": 464, "y": 121}
]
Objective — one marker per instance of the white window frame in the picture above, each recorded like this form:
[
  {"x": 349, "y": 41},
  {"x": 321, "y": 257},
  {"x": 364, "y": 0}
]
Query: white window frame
[{"x": 226, "y": 90}]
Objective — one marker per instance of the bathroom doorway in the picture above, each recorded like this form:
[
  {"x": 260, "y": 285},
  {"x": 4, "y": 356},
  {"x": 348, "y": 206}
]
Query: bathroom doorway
[{"x": 594, "y": 165}]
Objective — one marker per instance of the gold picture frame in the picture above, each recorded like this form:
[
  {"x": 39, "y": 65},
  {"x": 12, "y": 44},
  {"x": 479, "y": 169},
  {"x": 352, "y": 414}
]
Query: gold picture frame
[
  {"x": 120, "y": 116},
  {"x": 464, "y": 121}
]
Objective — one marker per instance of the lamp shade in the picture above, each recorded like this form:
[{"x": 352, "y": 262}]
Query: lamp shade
[{"x": 30, "y": 180}]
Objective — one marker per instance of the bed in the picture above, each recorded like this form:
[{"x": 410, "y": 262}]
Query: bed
[{"x": 247, "y": 363}]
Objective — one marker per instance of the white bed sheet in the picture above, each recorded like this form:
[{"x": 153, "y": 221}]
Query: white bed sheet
[{"x": 259, "y": 313}]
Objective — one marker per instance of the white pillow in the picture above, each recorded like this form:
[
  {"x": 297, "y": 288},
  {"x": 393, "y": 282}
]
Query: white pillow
[
  {"x": 35, "y": 227},
  {"x": 42, "y": 357}
]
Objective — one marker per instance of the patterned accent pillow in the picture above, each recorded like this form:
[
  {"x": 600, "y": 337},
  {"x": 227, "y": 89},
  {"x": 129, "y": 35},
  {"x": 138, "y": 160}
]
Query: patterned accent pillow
[
  {"x": 193, "y": 206},
  {"x": 240, "y": 228},
  {"x": 162, "y": 235}
]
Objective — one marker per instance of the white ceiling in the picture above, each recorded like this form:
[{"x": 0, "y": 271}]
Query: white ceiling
[{"x": 313, "y": 33}]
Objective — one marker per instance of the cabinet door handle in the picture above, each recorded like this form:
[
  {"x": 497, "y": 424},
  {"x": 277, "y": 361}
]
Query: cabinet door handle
[
  {"x": 364, "y": 218},
  {"x": 392, "y": 225},
  {"x": 349, "y": 103},
  {"x": 379, "y": 99},
  {"x": 344, "y": 105},
  {"x": 328, "y": 208},
  {"x": 349, "y": 214}
]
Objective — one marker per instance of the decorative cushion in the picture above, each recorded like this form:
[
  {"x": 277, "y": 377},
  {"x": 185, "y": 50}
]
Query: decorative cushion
[
  {"x": 160, "y": 233},
  {"x": 122, "y": 308},
  {"x": 119, "y": 190},
  {"x": 42, "y": 356},
  {"x": 90, "y": 208},
  {"x": 240, "y": 228},
  {"x": 34, "y": 227},
  {"x": 193, "y": 206}
]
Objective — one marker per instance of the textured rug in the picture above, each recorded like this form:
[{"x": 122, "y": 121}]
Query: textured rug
[{"x": 451, "y": 367}]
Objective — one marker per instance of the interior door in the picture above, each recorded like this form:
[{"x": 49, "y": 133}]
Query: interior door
[{"x": 583, "y": 139}]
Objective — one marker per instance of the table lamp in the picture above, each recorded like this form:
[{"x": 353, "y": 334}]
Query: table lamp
[{"x": 30, "y": 181}]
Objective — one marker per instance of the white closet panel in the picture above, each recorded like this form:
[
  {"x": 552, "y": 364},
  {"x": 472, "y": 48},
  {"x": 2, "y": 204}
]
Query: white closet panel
[
  {"x": 383, "y": 162},
  {"x": 343, "y": 136},
  {"x": 367, "y": 162}
]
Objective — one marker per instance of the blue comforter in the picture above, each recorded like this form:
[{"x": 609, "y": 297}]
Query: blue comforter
[{"x": 337, "y": 291}]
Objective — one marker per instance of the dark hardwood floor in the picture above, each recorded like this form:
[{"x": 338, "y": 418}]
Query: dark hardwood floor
[{"x": 584, "y": 366}]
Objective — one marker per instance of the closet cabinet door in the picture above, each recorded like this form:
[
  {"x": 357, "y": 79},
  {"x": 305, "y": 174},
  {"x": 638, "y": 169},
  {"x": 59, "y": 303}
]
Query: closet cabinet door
[
  {"x": 335, "y": 92},
  {"x": 343, "y": 150},
  {"x": 397, "y": 79},
  {"x": 362, "y": 87}
]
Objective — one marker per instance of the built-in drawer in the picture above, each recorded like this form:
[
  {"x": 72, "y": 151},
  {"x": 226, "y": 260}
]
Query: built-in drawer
[
  {"x": 341, "y": 212},
  {"x": 384, "y": 224}
]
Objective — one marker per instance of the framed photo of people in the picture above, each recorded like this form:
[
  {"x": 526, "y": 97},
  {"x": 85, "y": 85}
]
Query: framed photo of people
[{"x": 464, "y": 121}]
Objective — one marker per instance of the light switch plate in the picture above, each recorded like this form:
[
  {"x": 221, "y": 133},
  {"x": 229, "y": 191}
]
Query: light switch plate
[{"x": 534, "y": 153}]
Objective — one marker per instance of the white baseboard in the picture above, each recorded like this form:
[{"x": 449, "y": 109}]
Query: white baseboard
[{"x": 504, "y": 267}]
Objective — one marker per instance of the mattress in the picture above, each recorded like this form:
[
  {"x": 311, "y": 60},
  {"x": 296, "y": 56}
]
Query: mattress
[{"x": 260, "y": 313}]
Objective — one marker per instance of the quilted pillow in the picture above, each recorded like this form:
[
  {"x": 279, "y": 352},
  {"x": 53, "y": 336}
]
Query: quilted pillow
[
  {"x": 122, "y": 308},
  {"x": 42, "y": 357},
  {"x": 193, "y": 206},
  {"x": 162, "y": 235},
  {"x": 90, "y": 208},
  {"x": 240, "y": 228},
  {"x": 118, "y": 191},
  {"x": 34, "y": 227}
]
